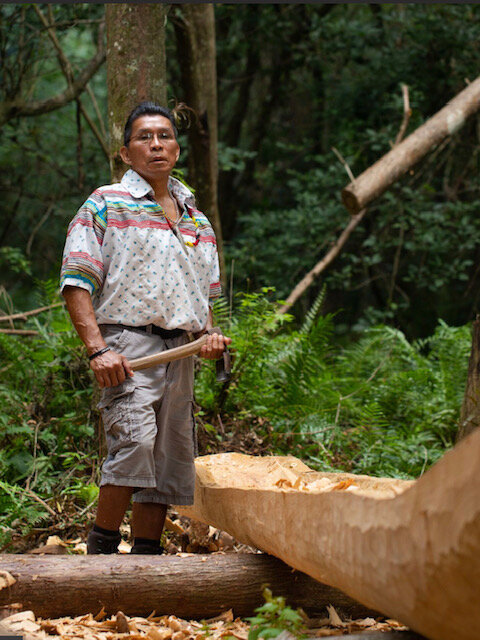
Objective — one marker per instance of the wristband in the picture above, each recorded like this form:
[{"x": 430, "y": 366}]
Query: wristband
[{"x": 99, "y": 353}]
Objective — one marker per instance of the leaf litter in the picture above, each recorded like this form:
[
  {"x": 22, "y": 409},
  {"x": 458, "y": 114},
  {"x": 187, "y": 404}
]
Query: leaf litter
[
  {"x": 169, "y": 627},
  {"x": 186, "y": 537}
]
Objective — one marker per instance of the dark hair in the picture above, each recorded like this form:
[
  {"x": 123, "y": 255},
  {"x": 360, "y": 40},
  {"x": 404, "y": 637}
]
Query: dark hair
[{"x": 147, "y": 108}]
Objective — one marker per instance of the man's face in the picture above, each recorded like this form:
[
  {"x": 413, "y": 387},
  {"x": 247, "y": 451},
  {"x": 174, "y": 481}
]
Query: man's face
[{"x": 153, "y": 150}]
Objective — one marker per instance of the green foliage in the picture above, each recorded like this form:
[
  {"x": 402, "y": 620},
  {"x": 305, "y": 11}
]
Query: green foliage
[
  {"x": 381, "y": 405},
  {"x": 14, "y": 259},
  {"x": 413, "y": 258},
  {"x": 18, "y": 511},
  {"x": 273, "y": 617},
  {"x": 47, "y": 419}
]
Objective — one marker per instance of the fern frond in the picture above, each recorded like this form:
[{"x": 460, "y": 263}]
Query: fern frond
[{"x": 314, "y": 310}]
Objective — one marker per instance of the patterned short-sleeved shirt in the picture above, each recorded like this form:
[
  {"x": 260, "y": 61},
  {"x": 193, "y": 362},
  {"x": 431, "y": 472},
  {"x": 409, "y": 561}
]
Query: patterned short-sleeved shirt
[{"x": 138, "y": 267}]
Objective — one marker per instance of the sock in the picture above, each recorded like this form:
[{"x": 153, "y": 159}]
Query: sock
[
  {"x": 105, "y": 532},
  {"x": 147, "y": 541}
]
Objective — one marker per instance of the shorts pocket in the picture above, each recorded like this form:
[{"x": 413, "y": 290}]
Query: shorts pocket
[
  {"x": 116, "y": 406},
  {"x": 115, "y": 337}
]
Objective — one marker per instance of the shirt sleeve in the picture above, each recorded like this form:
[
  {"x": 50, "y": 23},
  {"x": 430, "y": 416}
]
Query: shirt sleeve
[
  {"x": 215, "y": 286},
  {"x": 82, "y": 264}
]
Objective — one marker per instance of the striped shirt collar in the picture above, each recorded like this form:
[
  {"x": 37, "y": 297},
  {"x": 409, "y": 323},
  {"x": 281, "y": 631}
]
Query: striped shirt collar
[{"x": 138, "y": 187}]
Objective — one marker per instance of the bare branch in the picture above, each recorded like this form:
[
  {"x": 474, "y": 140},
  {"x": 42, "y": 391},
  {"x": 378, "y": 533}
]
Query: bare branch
[
  {"x": 42, "y": 502},
  {"x": 20, "y": 332},
  {"x": 33, "y": 312},
  {"x": 407, "y": 112},
  {"x": 323, "y": 264},
  {"x": 35, "y": 229},
  {"x": 50, "y": 26},
  {"x": 94, "y": 129},
  {"x": 19, "y": 108},
  {"x": 97, "y": 110},
  {"x": 306, "y": 281},
  {"x": 68, "y": 73},
  {"x": 345, "y": 164}
]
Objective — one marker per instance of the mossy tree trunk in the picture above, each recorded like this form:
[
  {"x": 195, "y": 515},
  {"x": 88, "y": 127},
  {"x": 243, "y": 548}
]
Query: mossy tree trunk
[
  {"x": 195, "y": 32},
  {"x": 136, "y": 66}
]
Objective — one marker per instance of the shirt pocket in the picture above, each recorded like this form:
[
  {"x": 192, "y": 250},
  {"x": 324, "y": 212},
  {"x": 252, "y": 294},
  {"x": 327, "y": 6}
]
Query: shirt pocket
[{"x": 117, "y": 408}]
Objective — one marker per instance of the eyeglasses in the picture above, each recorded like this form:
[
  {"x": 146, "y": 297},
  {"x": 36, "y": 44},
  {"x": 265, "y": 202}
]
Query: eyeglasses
[{"x": 148, "y": 136}]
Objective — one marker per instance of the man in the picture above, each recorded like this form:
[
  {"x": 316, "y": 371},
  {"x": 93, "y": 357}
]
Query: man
[{"x": 140, "y": 270}]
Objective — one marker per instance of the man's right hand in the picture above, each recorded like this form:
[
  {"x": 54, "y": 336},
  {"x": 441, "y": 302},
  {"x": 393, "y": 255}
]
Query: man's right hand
[{"x": 110, "y": 369}]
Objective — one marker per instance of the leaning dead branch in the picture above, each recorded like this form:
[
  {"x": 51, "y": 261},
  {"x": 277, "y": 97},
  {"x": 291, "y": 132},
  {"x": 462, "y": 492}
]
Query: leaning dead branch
[
  {"x": 381, "y": 175},
  {"x": 307, "y": 280}
]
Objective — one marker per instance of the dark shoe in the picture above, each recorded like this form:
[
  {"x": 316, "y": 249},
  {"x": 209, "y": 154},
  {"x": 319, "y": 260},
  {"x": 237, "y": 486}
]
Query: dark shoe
[
  {"x": 100, "y": 543},
  {"x": 147, "y": 550}
]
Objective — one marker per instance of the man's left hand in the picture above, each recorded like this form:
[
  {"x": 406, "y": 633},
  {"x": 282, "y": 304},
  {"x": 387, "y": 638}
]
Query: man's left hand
[{"x": 214, "y": 347}]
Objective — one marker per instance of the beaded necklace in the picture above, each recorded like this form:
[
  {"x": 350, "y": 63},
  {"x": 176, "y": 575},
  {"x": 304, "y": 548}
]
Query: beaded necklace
[{"x": 195, "y": 222}]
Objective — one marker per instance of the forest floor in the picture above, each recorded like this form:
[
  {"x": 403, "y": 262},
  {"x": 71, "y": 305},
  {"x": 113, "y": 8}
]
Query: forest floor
[{"x": 182, "y": 537}]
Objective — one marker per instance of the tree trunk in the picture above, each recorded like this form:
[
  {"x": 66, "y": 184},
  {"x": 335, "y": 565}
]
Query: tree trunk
[
  {"x": 136, "y": 66},
  {"x": 470, "y": 413},
  {"x": 189, "y": 587},
  {"x": 408, "y": 549},
  {"x": 376, "y": 180},
  {"x": 195, "y": 31}
]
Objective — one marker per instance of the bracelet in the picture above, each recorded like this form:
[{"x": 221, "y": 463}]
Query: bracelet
[{"x": 99, "y": 353}]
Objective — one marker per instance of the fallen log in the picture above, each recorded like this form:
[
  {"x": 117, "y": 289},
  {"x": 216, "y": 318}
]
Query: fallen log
[
  {"x": 192, "y": 587},
  {"x": 376, "y": 179},
  {"x": 409, "y": 550}
]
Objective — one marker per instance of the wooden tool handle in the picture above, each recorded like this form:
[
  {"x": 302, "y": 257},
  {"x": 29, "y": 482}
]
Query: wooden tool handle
[{"x": 185, "y": 350}]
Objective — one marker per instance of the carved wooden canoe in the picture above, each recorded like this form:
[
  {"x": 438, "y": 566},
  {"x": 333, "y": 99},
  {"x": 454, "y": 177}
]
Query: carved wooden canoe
[{"x": 408, "y": 549}]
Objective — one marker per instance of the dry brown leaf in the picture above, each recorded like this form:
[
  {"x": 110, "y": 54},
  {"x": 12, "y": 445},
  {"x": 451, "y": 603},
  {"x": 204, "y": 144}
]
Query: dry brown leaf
[
  {"x": 55, "y": 541},
  {"x": 159, "y": 633},
  {"x": 395, "y": 624},
  {"x": 50, "y": 550},
  {"x": 225, "y": 616},
  {"x": 100, "y": 615},
  {"x": 6, "y": 580},
  {"x": 365, "y": 622},
  {"x": 121, "y": 623},
  {"x": 334, "y": 618},
  {"x": 174, "y": 623},
  {"x": 124, "y": 547},
  {"x": 19, "y": 617},
  {"x": 174, "y": 526}
]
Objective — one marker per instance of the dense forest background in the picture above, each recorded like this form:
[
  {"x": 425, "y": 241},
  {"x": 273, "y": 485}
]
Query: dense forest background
[{"x": 368, "y": 370}]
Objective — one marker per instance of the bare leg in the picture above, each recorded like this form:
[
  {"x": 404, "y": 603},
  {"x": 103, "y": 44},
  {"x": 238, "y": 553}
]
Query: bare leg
[
  {"x": 148, "y": 519},
  {"x": 113, "y": 501}
]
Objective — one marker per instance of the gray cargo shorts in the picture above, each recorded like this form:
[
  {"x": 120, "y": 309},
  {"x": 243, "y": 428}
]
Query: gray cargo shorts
[{"x": 149, "y": 422}]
